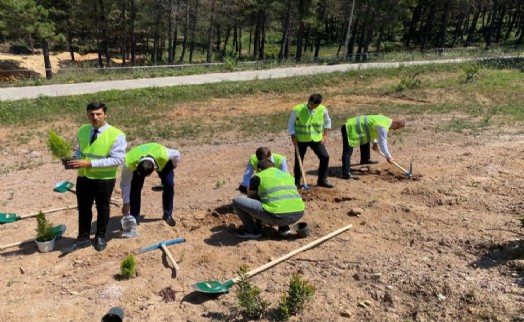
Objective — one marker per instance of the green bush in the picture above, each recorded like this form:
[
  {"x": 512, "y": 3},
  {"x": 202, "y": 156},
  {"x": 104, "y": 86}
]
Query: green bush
[
  {"x": 60, "y": 148},
  {"x": 44, "y": 229},
  {"x": 408, "y": 82},
  {"x": 253, "y": 307},
  {"x": 470, "y": 73},
  {"x": 128, "y": 266},
  {"x": 299, "y": 293}
]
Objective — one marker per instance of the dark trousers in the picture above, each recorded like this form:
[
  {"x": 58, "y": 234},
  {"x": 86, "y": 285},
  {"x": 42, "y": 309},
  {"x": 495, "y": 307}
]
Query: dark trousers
[
  {"x": 167, "y": 176},
  {"x": 347, "y": 151},
  {"x": 87, "y": 192},
  {"x": 323, "y": 156}
]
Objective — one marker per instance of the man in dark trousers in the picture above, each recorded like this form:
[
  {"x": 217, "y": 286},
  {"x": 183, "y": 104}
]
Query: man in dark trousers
[
  {"x": 308, "y": 126},
  {"x": 101, "y": 151},
  {"x": 361, "y": 131},
  {"x": 140, "y": 163}
]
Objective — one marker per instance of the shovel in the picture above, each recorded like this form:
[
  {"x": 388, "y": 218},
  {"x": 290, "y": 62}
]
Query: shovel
[
  {"x": 217, "y": 287},
  {"x": 58, "y": 230},
  {"x": 6, "y": 218},
  {"x": 164, "y": 248},
  {"x": 299, "y": 160},
  {"x": 65, "y": 186},
  {"x": 407, "y": 173}
]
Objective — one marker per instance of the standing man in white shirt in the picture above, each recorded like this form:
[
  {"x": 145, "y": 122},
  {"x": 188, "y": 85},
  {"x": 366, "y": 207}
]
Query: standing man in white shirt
[
  {"x": 360, "y": 131},
  {"x": 308, "y": 126},
  {"x": 140, "y": 163},
  {"x": 101, "y": 151}
]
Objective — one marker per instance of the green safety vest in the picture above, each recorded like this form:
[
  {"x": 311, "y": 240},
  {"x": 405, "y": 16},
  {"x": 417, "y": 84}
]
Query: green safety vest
[
  {"x": 154, "y": 150},
  {"x": 277, "y": 157},
  {"x": 363, "y": 129},
  {"x": 98, "y": 150},
  {"x": 278, "y": 193},
  {"x": 309, "y": 127}
]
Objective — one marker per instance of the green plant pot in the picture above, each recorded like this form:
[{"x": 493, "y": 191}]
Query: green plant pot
[{"x": 45, "y": 247}]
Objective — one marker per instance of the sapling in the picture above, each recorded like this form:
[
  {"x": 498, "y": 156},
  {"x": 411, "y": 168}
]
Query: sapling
[
  {"x": 59, "y": 147},
  {"x": 44, "y": 229},
  {"x": 299, "y": 292},
  {"x": 248, "y": 295},
  {"x": 128, "y": 266}
]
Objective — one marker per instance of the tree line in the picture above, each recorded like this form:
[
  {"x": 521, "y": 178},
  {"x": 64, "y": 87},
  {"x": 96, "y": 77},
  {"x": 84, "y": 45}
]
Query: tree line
[{"x": 172, "y": 31}]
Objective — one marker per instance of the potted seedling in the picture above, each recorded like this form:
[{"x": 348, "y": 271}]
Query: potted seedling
[
  {"x": 59, "y": 147},
  {"x": 45, "y": 235}
]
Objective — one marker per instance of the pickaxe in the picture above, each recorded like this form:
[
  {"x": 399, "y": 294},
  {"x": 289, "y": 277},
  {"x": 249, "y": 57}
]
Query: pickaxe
[
  {"x": 407, "y": 173},
  {"x": 164, "y": 248}
]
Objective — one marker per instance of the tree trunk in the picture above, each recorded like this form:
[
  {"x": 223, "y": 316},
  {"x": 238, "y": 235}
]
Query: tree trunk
[
  {"x": 285, "y": 32},
  {"x": 300, "y": 33},
  {"x": 186, "y": 31},
  {"x": 171, "y": 24},
  {"x": 195, "y": 20},
  {"x": 105, "y": 41},
  {"x": 47, "y": 61},
  {"x": 132, "y": 16},
  {"x": 444, "y": 27},
  {"x": 124, "y": 34},
  {"x": 415, "y": 17},
  {"x": 256, "y": 41},
  {"x": 262, "y": 54},
  {"x": 210, "y": 32},
  {"x": 348, "y": 32},
  {"x": 239, "y": 42},
  {"x": 500, "y": 21},
  {"x": 156, "y": 36},
  {"x": 70, "y": 40},
  {"x": 320, "y": 35},
  {"x": 427, "y": 28},
  {"x": 472, "y": 28},
  {"x": 512, "y": 23},
  {"x": 491, "y": 27},
  {"x": 226, "y": 40}
]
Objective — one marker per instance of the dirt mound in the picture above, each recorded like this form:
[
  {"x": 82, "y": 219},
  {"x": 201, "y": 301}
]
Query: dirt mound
[{"x": 11, "y": 70}]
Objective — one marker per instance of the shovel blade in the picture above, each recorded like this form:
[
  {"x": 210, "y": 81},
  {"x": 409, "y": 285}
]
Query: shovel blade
[
  {"x": 213, "y": 286},
  {"x": 6, "y": 218},
  {"x": 59, "y": 231},
  {"x": 63, "y": 186}
]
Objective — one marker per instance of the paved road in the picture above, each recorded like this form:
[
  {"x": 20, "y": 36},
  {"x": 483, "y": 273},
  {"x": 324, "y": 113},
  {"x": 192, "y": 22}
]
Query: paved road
[{"x": 29, "y": 92}]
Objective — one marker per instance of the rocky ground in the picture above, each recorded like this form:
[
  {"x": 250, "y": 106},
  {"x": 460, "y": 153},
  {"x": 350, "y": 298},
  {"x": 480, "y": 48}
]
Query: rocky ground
[{"x": 434, "y": 248}]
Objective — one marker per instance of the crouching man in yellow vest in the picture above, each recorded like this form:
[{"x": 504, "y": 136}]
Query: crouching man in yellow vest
[
  {"x": 140, "y": 163},
  {"x": 102, "y": 148},
  {"x": 262, "y": 153},
  {"x": 360, "y": 131},
  {"x": 272, "y": 198}
]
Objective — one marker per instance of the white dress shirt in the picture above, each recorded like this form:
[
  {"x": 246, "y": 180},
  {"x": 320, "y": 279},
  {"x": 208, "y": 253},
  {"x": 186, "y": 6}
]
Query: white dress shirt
[{"x": 117, "y": 152}]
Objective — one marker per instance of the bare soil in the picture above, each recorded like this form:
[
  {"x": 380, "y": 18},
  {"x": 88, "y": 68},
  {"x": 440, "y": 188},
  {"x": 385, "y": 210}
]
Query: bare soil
[{"x": 434, "y": 248}]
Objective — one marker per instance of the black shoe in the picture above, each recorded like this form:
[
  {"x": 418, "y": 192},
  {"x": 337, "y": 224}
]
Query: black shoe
[
  {"x": 284, "y": 231},
  {"x": 242, "y": 189},
  {"x": 325, "y": 184},
  {"x": 369, "y": 162},
  {"x": 79, "y": 244},
  {"x": 137, "y": 219},
  {"x": 169, "y": 220},
  {"x": 347, "y": 175},
  {"x": 100, "y": 244}
]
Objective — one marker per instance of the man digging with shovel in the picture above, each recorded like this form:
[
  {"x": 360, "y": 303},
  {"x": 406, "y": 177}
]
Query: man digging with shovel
[
  {"x": 140, "y": 163},
  {"x": 360, "y": 131}
]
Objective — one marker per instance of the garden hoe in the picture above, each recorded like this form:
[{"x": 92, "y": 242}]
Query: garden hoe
[
  {"x": 217, "y": 287},
  {"x": 299, "y": 160},
  {"x": 164, "y": 245},
  {"x": 407, "y": 173},
  {"x": 58, "y": 230},
  {"x": 6, "y": 218},
  {"x": 65, "y": 186}
]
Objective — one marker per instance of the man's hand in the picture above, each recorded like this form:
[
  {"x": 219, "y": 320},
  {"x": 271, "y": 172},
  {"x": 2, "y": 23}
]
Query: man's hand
[
  {"x": 294, "y": 139},
  {"x": 125, "y": 209},
  {"x": 375, "y": 147},
  {"x": 324, "y": 139},
  {"x": 242, "y": 189},
  {"x": 390, "y": 160},
  {"x": 75, "y": 164}
]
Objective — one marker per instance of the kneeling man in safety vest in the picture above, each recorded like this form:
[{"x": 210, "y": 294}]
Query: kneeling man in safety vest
[
  {"x": 272, "y": 198},
  {"x": 262, "y": 153},
  {"x": 360, "y": 131},
  {"x": 140, "y": 163}
]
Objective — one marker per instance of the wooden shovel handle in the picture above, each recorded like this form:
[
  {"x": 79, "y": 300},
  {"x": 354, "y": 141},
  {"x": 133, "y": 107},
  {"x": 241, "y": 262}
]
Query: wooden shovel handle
[
  {"x": 299, "y": 160},
  {"x": 2, "y": 247},
  {"x": 48, "y": 211},
  {"x": 171, "y": 259},
  {"x": 113, "y": 201},
  {"x": 396, "y": 164},
  {"x": 293, "y": 253}
]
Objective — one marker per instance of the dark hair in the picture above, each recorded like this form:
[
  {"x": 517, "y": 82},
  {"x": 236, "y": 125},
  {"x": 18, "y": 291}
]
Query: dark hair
[
  {"x": 264, "y": 164},
  {"x": 315, "y": 98},
  {"x": 145, "y": 167},
  {"x": 95, "y": 106},
  {"x": 263, "y": 153}
]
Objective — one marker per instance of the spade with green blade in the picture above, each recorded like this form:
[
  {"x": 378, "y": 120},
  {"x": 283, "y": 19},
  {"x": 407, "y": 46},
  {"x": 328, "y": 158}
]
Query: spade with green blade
[
  {"x": 57, "y": 230},
  {"x": 217, "y": 287},
  {"x": 65, "y": 186},
  {"x": 6, "y": 218}
]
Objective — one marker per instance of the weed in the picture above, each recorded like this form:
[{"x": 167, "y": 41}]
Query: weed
[
  {"x": 248, "y": 295},
  {"x": 470, "y": 72},
  {"x": 128, "y": 267},
  {"x": 299, "y": 293},
  {"x": 408, "y": 82},
  {"x": 220, "y": 184}
]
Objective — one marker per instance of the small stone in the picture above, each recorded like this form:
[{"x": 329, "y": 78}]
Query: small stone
[
  {"x": 355, "y": 212},
  {"x": 346, "y": 313},
  {"x": 441, "y": 297}
]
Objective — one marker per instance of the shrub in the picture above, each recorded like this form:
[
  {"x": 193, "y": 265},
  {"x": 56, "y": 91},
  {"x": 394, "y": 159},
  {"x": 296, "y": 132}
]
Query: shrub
[
  {"x": 408, "y": 82},
  {"x": 248, "y": 295},
  {"x": 470, "y": 73},
  {"x": 60, "y": 148},
  {"x": 44, "y": 229},
  {"x": 299, "y": 293},
  {"x": 128, "y": 266}
]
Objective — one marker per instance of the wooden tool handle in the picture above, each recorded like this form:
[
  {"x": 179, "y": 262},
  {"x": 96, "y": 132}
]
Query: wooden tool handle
[
  {"x": 293, "y": 253},
  {"x": 396, "y": 164},
  {"x": 2, "y": 247},
  {"x": 171, "y": 259},
  {"x": 48, "y": 211},
  {"x": 299, "y": 160},
  {"x": 113, "y": 201}
]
